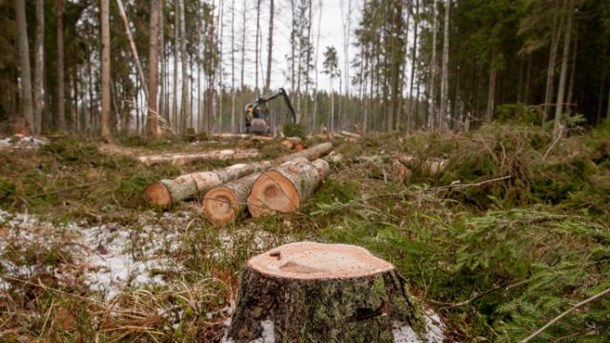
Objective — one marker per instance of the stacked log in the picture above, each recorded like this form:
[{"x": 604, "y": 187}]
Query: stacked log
[
  {"x": 313, "y": 292},
  {"x": 223, "y": 204},
  {"x": 284, "y": 188},
  {"x": 169, "y": 191},
  {"x": 186, "y": 158}
]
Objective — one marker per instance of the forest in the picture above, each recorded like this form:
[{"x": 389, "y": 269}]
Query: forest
[{"x": 465, "y": 144}]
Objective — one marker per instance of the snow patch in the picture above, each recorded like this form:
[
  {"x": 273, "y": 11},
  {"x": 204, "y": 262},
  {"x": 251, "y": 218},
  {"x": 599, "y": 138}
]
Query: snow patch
[
  {"x": 22, "y": 142},
  {"x": 434, "y": 330}
]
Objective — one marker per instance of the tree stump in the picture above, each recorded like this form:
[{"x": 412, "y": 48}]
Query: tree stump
[
  {"x": 313, "y": 292},
  {"x": 284, "y": 188}
]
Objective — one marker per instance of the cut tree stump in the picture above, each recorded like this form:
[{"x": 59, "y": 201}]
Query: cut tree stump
[
  {"x": 223, "y": 204},
  {"x": 186, "y": 158},
  {"x": 284, "y": 188},
  {"x": 313, "y": 292},
  {"x": 167, "y": 192}
]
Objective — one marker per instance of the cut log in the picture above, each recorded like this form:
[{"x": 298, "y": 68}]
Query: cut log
[
  {"x": 284, "y": 188},
  {"x": 185, "y": 158},
  {"x": 223, "y": 204},
  {"x": 313, "y": 292},
  {"x": 167, "y": 192},
  {"x": 433, "y": 166},
  {"x": 350, "y": 134},
  {"x": 311, "y": 154}
]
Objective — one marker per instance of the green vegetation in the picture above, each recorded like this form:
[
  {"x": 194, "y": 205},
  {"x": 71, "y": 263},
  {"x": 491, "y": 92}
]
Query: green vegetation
[{"x": 522, "y": 237}]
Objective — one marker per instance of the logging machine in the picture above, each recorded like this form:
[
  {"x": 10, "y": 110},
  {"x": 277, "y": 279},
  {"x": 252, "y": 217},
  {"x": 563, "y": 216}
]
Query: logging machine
[{"x": 256, "y": 113}]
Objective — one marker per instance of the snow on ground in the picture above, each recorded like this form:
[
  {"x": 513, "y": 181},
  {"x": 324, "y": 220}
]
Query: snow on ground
[
  {"x": 433, "y": 334},
  {"x": 107, "y": 258},
  {"x": 18, "y": 141}
]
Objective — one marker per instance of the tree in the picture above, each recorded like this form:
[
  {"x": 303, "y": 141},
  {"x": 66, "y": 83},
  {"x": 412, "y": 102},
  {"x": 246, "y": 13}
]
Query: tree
[
  {"x": 443, "y": 118},
  {"x": 270, "y": 46},
  {"x": 331, "y": 63},
  {"x": 153, "y": 131},
  {"x": 60, "y": 99},
  {"x": 25, "y": 91},
  {"x": 39, "y": 67},
  {"x": 564, "y": 66},
  {"x": 105, "y": 25}
]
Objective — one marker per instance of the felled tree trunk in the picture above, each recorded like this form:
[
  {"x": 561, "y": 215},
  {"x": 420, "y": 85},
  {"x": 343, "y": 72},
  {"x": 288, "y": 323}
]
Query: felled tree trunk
[
  {"x": 167, "y": 192},
  {"x": 184, "y": 158},
  {"x": 223, "y": 204},
  {"x": 284, "y": 188},
  {"x": 313, "y": 292},
  {"x": 432, "y": 166}
]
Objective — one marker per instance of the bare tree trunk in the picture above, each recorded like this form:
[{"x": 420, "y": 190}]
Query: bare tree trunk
[
  {"x": 105, "y": 24},
  {"x": 443, "y": 119},
  {"x": 491, "y": 95},
  {"x": 132, "y": 46},
  {"x": 564, "y": 68},
  {"x": 347, "y": 34},
  {"x": 25, "y": 91},
  {"x": 431, "y": 84},
  {"x": 175, "y": 116},
  {"x": 39, "y": 68},
  {"x": 270, "y": 45},
  {"x": 413, "y": 104},
  {"x": 573, "y": 74},
  {"x": 185, "y": 113},
  {"x": 550, "y": 76},
  {"x": 219, "y": 40},
  {"x": 153, "y": 131},
  {"x": 163, "y": 77},
  {"x": 256, "y": 45},
  {"x": 233, "y": 66},
  {"x": 59, "y": 29}
]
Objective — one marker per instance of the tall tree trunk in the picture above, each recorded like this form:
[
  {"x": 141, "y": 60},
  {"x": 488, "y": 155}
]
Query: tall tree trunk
[
  {"x": 412, "y": 103},
  {"x": 59, "y": 30},
  {"x": 105, "y": 25},
  {"x": 550, "y": 75},
  {"x": 232, "y": 66},
  {"x": 185, "y": 113},
  {"x": 443, "y": 118},
  {"x": 163, "y": 61},
  {"x": 270, "y": 45},
  {"x": 175, "y": 115},
  {"x": 39, "y": 68},
  {"x": 153, "y": 131},
  {"x": 491, "y": 95},
  {"x": 347, "y": 33},
  {"x": 25, "y": 91},
  {"x": 573, "y": 74},
  {"x": 219, "y": 41},
  {"x": 564, "y": 67},
  {"x": 256, "y": 44},
  {"x": 243, "y": 46},
  {"x": 431, "y": 83}
]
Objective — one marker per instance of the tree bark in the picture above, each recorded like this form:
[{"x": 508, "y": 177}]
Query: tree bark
[
  {"x": 256, "y": 44},
  {"x": 550, "y": 76},
  {"x": 491, "y": 95},
  {"x": 431, "y": 83},
  {"x": 25, "y": 77},
  {"x": 167, "y": 192},
  {"x": 564, "y": 68},
  {"x": 224, "y": 204},
  {"x": 39, "y": 68},
  {"x": 153, "y": 130},
  {"x": 314, "y": 292},
  {"x": 186, "y": 158},
  {"x": 185, "y": 108},
  {"x": 283, "y": 189},
  {"x": 105, "y": 25},
  {"x": 187, "y": 186},
  {"x": 443, "y": 120}
]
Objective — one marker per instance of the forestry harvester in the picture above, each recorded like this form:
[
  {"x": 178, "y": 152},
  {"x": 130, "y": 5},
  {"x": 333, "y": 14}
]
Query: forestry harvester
[{"x": 255, "y": 113}]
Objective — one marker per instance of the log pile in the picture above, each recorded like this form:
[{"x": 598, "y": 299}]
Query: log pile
[
  {"x": 228, "y": 189},
  {"x": 313, "y": 292}
]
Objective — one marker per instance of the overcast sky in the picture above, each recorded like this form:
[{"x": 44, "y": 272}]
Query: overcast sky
[{"x": 329, "y": 19}]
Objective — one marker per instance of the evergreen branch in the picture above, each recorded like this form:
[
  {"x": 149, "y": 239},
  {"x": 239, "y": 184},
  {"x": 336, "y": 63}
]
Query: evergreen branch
[{"x": 556, "y": 319}]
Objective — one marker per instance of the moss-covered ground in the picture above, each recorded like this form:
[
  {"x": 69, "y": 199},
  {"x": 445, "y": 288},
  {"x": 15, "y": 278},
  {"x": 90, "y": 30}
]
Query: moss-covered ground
[{"x": 510, "y": 234}]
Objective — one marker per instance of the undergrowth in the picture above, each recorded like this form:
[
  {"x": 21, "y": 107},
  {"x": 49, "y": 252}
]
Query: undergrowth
[{"x": 508, "y": 235}]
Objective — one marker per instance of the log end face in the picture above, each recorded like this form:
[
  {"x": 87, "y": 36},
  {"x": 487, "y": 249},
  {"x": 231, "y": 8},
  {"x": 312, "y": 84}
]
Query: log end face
[
  {"x": 158, "y": 195},
  {"x": 272, "y": 193},
  {"x": 220, "y": 206},
  {"x": 310, "y": 260}
]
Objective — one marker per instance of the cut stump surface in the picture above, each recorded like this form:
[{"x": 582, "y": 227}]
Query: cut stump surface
[{"x": 313, "y": 292}]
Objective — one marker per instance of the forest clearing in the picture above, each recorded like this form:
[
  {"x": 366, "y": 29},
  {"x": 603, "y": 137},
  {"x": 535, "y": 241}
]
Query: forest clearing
[
  {"x": 304, "y": 171},
  {"x": 511, "y": 232}
]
